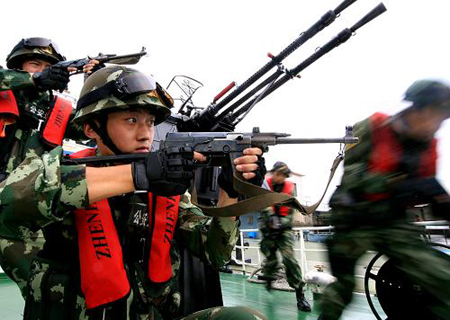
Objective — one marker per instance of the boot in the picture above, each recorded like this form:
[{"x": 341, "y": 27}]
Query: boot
[
  {"x": 302, "y": 303},
  {"x": 269, "y": 284}
]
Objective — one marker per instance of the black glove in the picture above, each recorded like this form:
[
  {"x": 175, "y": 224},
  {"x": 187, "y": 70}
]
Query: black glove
[
  {"x": 225, "y": 179},
  {"x": 52, "y": 78},
  {"x": 167, "y": 172}
]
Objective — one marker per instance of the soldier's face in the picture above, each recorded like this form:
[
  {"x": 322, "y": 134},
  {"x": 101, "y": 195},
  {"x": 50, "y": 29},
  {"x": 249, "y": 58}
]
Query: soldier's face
[
  {"x": 35, "y": 65},
  {"x": 131, "y": 132},
  {"x": 423, "y": 124},
  {"x": 278, "y": 177}
]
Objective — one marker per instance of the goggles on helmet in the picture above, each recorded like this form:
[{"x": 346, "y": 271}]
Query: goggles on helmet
[
  {"x": 133, "y": 83},
  {"x": 39, "y": 42}
]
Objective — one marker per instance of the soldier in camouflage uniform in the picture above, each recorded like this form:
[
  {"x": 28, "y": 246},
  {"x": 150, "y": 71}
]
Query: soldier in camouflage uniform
[
  {"x": 25, "y": 100},
  {"x": 276, "y": 229},
  {"x": 137, "y": 280},
  {"x": 392, "y": 168}
]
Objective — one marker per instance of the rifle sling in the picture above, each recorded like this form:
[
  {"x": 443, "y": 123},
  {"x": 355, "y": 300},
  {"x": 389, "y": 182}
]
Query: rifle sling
[
  {"x": 336, "y": 162},
  {"x": 259, "y": 198}
]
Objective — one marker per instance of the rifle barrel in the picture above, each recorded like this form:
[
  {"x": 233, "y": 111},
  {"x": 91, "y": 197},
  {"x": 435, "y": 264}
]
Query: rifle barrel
[{"x": 346, "y": 140}]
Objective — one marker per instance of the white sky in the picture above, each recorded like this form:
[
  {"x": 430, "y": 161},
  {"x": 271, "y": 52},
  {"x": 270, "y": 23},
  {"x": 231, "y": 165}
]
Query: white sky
[{"x": 218, "y": 42}]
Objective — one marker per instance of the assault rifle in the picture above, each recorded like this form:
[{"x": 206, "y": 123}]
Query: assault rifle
[
  {"x": 131, "y": 58},
  {"x": 220, "y": 148},
  {"x": 216, "y": 118}
]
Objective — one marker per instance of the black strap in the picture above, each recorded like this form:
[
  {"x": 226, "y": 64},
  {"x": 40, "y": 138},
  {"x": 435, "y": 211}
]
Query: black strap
[
  {"x": 101, "y": 131},
  {"x": 96, "y": 95}
]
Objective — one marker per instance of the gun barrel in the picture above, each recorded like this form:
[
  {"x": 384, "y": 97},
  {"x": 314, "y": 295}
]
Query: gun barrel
[
  {"x": 375, "y": 12},
  {"x": 340, "y": 38},
  {"x": 324, "y": 21},
  {"x": 344, "y": 5},
  {"x": 132, "y": 58},
  {"x": 346, "y": 140}
]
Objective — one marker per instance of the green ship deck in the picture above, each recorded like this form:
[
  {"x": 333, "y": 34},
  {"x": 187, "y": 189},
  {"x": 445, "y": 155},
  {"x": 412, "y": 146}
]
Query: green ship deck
[{"x": 236, "y": 291}]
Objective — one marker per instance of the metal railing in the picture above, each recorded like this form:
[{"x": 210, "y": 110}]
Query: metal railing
[
  {"x": 299, "y": 231},
  {"x": 302, "y": 249}
]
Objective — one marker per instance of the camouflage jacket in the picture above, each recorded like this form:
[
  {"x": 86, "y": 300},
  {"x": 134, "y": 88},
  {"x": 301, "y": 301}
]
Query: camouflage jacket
[
  {"x": 360, "y": 182},
  {"x": 210, "y": 239},
  {"x": 269, "y": 220},
  {"x": 27, "y": 161}
]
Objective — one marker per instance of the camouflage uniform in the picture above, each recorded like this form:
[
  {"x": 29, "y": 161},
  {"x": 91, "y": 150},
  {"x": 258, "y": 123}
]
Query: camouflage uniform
[
  {"x": 276, "y": 228},
  {"x": 280, "y": 238},
  {"x": 54, "y": 291},
  {"x": 55, "y": 288},
  {"x": 19, "y": 242},
  {"x": 362, "y": 224}
]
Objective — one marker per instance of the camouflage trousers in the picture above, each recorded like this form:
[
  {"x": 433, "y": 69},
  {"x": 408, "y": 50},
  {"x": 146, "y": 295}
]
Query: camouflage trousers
[
  {"x": 281, "y": 240},
  {"x": 401, "y": 242},
  {"x": 55, "y": 294},
  {"x": 16, "y": 257}
]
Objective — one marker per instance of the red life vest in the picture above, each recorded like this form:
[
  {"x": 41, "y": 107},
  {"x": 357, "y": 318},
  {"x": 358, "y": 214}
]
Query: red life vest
[
  {"x": 103, "y": 275},
  {"x": 386, "y": 153},
  {"x": 8, "y": 110},
  {"x": 56, "y": 119},
  {"x": 288, "y": 188}
]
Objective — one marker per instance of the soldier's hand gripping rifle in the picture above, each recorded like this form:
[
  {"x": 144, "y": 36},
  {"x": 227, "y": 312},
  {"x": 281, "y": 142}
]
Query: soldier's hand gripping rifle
[
  {"x": 220, "y": 149},
  {"x": 126, "y": 59},
  {"x": 214, "y": 118}
]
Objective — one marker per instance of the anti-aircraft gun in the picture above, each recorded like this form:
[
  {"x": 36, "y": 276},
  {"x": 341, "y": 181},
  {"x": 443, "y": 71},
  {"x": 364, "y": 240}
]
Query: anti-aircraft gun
[{"x": 230, "y": 107}]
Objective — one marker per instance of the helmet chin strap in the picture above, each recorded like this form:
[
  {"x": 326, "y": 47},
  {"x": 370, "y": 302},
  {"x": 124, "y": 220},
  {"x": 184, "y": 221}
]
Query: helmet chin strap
[{"x": 102, "y": 132}]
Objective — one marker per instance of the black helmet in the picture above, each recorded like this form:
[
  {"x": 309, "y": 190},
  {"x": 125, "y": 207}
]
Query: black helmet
[
  {"x": 282, "y": 167},
  {"x": 428, "y": 93},
  {"x": 41, "y": 48}
]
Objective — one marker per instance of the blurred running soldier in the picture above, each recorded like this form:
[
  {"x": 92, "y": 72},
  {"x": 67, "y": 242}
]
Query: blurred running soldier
[{"x": 391, "y": 169}]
